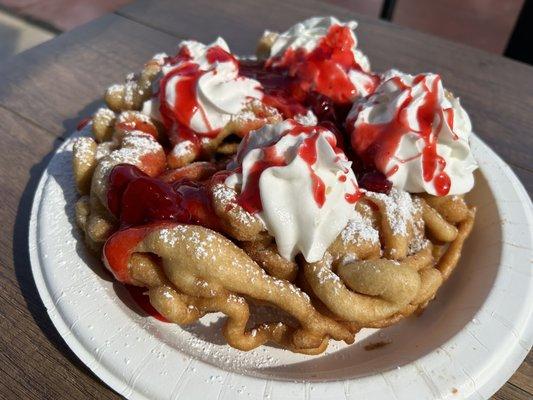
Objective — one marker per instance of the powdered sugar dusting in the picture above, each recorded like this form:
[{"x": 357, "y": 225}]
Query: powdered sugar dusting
[
  {"x": 183, "y": 149},
  {"x": 418, "y": 244},
  {"x": 104, "y": 149},
  {"x": 134, "y": 146},
  {"x": 171, "y": 236},
  {"x": 325, "y": 275},
  {"x": 359, "y": 229},
  {"x": 224, "y": 194},
  {"x": 105, "y": 115},
  {"x": 244, "y": 117},
  {"x": 206, "y": 246},
  {"x": 115, "y": 89},
  {"x": 127, "y": 116},
  {"x": 85, "y": 150},
  {"x": 227, "y": 197},
  {"x": 204, "y": 338},
  {"x": 398, "y": 207},
  {"x": 129, "y": 90},
  {"x": 419, "y": 241}
]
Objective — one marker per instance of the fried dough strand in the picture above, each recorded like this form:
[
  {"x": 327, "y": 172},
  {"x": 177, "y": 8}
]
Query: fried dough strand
[
  {"x": 91, "y": 173},
  {"x": 450, "y": 258},
  {"x": 214, "y": 275},
  {"x": 378, "y": 292}
]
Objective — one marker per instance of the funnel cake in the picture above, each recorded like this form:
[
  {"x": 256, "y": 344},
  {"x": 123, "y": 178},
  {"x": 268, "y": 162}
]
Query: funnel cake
[{"x": 300, "y": 180}]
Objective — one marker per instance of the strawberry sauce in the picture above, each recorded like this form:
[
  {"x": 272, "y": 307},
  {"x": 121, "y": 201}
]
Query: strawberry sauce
[
  {"x": 293, "y": 84},
  {"x": 377, "y": 143},
  {"x": 326, "y": 68},
  {"x": 177, "y": 117},
  {"x": 250, "y": 198},
  {"x": 308, "y": 153},
  {"x": 137, "y": 199},
  {"x": 317, "y": 80},
  {"x": 83, "y": 123},
  {"x": 299, "y": 81},
  {"x": 138, "y": 124}
]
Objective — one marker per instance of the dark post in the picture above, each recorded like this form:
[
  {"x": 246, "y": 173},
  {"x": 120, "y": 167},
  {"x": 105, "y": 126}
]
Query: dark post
[
  {"x": 520, "y": 46},
  {"x": 387, "y": 10}
]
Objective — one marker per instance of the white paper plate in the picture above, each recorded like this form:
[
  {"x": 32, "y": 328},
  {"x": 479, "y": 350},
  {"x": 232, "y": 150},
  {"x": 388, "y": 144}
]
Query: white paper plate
[{"x": 466, "y": 345}]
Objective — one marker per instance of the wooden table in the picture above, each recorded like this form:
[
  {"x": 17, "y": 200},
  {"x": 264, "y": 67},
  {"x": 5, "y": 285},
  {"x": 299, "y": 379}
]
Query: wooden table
[{"x": 45, "y": 91}]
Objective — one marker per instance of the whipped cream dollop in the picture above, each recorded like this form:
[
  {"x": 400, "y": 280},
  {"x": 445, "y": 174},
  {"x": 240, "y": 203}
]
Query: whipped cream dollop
[
  {"x": 416, "y": 133},
  {"x": 323, "y": 53},
  {"x": 201, "y": 89},
  {"x": 299, "y": 183}
]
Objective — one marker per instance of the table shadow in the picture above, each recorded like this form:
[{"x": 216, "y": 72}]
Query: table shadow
[
  {"x": 21, "y": 255},
  {"x": 21, "y": 260}
]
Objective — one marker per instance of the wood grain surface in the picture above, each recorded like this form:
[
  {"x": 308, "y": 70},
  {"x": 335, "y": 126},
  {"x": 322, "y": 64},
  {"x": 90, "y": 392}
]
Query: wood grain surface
[{"x": 45, "y": 91}]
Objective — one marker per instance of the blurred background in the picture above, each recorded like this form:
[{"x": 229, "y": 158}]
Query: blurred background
[{"x": 485, "y": 24}]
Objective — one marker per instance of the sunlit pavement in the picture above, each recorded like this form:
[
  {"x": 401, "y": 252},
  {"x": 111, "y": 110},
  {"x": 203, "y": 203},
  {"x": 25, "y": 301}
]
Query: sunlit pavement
[{"x": 17, "y": 35}]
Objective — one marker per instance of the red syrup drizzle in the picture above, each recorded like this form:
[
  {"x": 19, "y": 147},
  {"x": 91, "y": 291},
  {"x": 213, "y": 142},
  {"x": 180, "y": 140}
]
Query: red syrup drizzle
[
  {"x": 177, "y": 118},
  {"x": 325, "y": 69},
  {"x": 352, "y": 198},
  {"x": 377, "y": 143},
  {"x": 117, "y": 252},
  {"x": 308, "y": 153},
  {"x": 250, "y": 198},
  {"x": 432, "y": 164},
  {"x": 83, "y": 123}
]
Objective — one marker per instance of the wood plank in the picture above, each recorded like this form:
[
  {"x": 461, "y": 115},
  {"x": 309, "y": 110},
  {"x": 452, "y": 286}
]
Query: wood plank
[
  {"x": 511, "y": 392},
  {"x": 485, "y": 24},
  {"x": 495, "y": 91},
  {"x": 523, "y": 377},
  {"x": 34, "y": 361},
  {"x": 59, "y": 82},
  {"x": 63, "y": 80},
  {"x": 241, "y": 23}
]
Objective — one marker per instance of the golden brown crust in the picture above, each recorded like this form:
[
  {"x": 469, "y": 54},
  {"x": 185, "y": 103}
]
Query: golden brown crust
[
  {"x": 264, "y": 252},
  {"x": 83, "y": 163}
]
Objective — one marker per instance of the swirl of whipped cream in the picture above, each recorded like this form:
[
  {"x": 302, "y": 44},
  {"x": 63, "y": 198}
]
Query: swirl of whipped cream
[
  {"x": 416, "y": 133},
  {"x": 201, "y": 89},
  {"x": 299, "y": 183},
  {"x": 321, "y": 48}
]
